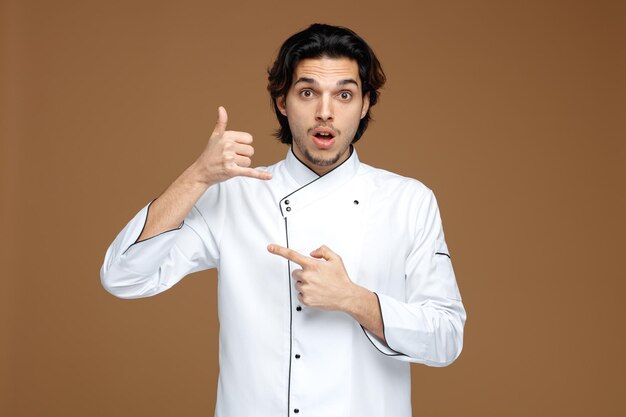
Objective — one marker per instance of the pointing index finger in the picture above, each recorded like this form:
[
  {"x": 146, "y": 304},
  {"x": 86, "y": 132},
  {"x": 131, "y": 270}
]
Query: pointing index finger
[{"x": 289, "y": 254}]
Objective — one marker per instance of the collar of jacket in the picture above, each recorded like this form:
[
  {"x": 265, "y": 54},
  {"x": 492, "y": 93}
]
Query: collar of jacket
[{"x": 312, "y": 186}]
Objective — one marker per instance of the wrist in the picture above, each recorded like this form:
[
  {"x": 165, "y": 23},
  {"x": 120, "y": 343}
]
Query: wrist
[
  {"x": 196, "y": 176},
  {"x": 355, "y": 298}
]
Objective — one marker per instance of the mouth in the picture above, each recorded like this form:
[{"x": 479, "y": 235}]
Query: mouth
[{"x": 324, "y": 137}]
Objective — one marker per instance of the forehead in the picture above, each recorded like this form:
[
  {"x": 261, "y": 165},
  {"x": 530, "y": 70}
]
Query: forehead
[{"x": 328, "y": 69}]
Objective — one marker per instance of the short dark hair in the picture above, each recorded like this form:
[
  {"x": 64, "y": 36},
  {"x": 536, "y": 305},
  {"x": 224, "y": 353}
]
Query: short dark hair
[{"x": 320, "y": 40}]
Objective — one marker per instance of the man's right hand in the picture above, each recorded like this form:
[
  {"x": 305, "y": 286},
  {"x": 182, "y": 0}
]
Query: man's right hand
[{"x": 227, "y": 155}]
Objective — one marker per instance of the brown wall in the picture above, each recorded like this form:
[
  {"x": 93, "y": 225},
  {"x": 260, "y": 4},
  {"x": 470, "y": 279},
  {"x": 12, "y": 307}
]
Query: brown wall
[{"x": 513, "y": 112}]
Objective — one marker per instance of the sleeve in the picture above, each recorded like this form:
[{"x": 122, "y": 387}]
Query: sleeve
[
  {"x": 133, "y": 269},
  {"x": 427, "y": 326}
]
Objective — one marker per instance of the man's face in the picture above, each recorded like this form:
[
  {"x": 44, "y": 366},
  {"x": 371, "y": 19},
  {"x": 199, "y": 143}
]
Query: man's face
[{"x": 324, "y": 107}]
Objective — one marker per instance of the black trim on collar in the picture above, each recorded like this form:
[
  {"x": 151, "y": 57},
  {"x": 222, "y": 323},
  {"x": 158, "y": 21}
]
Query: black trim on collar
[
  {"x": 310, "y": 169},
  {"x": 311, "y": 182},
  {"x": 300, "y": 160},
  {"x": 442, "y": 253}
]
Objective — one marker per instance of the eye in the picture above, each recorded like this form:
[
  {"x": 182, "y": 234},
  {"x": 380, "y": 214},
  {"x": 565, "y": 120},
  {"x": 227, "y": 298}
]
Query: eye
[
  {"x": 345, "y": 95},
  {"x": 306, "y": 93}
]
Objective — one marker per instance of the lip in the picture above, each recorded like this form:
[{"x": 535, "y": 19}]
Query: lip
[
  {"x": 323, "y": 143},
  {"x": 326, "y": 130}
]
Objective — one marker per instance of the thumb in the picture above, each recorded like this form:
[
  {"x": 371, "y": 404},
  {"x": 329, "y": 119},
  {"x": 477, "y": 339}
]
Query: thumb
[
  {"x": 222, "y": 120},
  {"x": 323, "y": 252}
]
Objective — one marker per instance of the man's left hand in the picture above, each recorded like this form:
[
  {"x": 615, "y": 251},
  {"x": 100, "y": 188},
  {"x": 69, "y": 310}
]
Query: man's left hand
[{"x": 322, "y": 282}]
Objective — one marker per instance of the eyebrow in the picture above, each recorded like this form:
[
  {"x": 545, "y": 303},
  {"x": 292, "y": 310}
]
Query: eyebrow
[{"x": 314, "y": 82}]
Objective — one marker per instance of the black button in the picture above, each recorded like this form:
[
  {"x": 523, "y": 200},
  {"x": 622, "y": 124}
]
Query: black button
[
  {"x": 356, "y": 202},
  {"x": 286, "y": 201},
  {"x": 296, "y": 410},
  {"x": 288, "y": 209},
  {"x": 297, "y": 356},
  {"x": 299, "y": 308}
]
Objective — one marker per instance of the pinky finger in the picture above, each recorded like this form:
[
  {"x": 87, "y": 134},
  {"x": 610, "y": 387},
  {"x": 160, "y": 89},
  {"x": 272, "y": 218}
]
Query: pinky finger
[{"x": 255, "y": 173}]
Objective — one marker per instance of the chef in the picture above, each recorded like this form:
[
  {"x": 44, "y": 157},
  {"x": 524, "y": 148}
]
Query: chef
[{"x": 333, "y": 276}]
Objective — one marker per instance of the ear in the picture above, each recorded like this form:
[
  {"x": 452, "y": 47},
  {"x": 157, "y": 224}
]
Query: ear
[
  {"x": 366, "y": 105},
  {"x": 281, "y": 103}
]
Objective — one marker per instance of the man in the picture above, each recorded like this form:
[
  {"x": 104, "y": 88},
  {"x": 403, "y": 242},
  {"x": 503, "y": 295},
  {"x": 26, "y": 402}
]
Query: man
[{"x": 333, "y": 275}]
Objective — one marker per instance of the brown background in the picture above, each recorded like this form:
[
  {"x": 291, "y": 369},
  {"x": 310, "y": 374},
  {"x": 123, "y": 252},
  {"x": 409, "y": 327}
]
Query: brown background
[{"x": 512, "y": 112}]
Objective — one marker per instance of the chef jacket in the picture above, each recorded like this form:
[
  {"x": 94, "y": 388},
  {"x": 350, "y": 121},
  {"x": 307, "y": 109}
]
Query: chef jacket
[{"x": 281, "y": 358}]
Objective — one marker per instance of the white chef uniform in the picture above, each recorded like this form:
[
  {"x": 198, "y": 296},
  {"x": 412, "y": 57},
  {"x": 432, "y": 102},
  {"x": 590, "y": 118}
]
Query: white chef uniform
[{"x": 278, "y": 357}]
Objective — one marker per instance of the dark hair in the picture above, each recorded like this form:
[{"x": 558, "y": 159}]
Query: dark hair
[{"x": 317, "y": 41}]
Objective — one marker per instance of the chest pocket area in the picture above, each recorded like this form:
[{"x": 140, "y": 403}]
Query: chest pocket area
[{"x": 337, "y": 223}]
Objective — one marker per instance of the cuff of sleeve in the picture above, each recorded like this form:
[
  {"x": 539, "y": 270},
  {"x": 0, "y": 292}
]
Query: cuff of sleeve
[
  {"x": 378, "y": 344},
  {"x": 141, "y": 219},
  {"x": 400, "y": 328},
  {"x": 145, "y": 256}
]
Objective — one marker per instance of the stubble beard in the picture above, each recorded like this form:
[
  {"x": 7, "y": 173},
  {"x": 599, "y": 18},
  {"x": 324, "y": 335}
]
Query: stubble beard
[
  {"x": 321, "y": 162},
  {"x": 318, "y": 161}
]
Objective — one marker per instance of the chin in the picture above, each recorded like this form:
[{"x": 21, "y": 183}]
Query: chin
[{"x": 322, "y": 158}]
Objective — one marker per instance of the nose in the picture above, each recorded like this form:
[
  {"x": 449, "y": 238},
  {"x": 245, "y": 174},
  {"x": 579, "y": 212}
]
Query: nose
[{"x": 324, "y": 109}]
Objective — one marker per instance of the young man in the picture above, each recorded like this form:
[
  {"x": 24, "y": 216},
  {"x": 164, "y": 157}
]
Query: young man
[{"x": 333, "y": 275}]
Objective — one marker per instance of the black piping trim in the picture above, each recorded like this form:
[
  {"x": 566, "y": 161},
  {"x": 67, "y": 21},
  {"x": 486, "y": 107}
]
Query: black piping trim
[
  {"x": 442, "y": 253},
  {"x": 290, "y": 323},
  {"x": 144, "y": 227},
  {"x": 300, "y": 160},
  {"x": 289, "y": 271},
  {"x": 296, "y": 156},
  {"x": 385, "y": 337},
  {"x": 311, "y": 182}
]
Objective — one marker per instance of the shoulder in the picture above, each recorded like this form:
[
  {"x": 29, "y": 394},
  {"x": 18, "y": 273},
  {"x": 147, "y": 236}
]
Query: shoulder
[
  {"x": 408, "y": 201},
  {"x": 388, "y": 184}
]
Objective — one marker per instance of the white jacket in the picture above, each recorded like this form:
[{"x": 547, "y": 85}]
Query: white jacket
[{"x": 386, "y": 228}]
